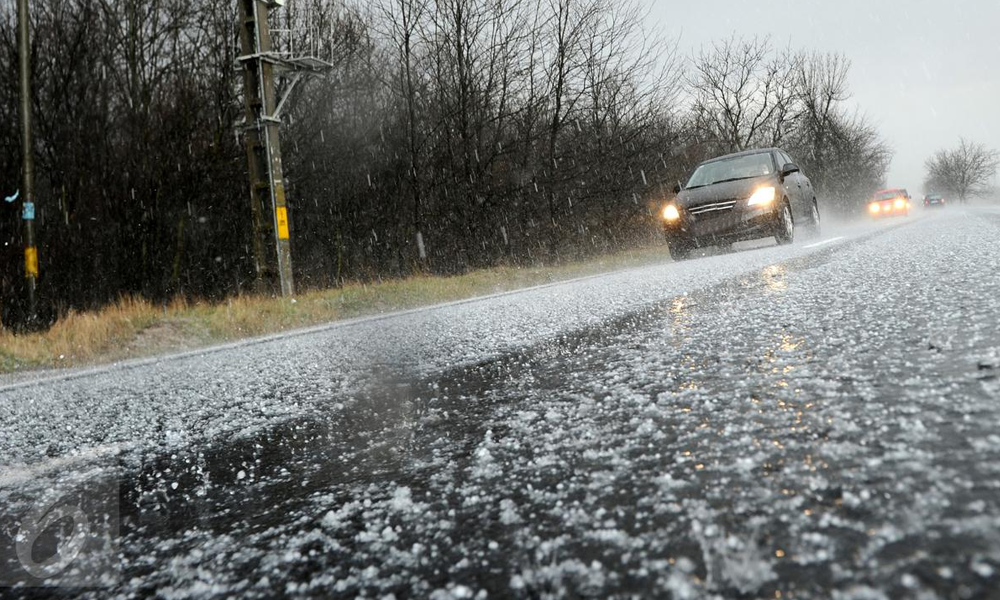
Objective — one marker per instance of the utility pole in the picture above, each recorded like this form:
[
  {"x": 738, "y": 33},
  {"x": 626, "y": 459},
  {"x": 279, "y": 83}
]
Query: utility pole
[
  {"x": 268, "y": 207},
  {"x": 261, "y": 129},
  {"x": 28, "y": 161}
]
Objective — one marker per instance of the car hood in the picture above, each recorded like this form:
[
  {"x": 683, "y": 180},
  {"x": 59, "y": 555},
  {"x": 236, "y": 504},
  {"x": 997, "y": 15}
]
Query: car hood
[{"x": 721, "y": 192}]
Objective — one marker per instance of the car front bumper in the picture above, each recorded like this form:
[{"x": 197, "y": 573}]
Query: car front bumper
[{"x": 724, "y": 227}]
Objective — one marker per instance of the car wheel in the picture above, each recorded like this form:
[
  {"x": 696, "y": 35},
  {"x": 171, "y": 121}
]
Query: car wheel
[
  {"x": 680, "y": 249},
  {"x": 813, "y": 226},
  {"x": 785, "y": 227}
]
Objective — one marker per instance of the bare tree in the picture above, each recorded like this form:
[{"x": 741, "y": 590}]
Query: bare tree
[
  {"x": 821, "y": 88},
  {"x": 405, "y": 22},
  {"x": 629, "y": 81},
  {"x": 855, "y": 162},
  {"x": 744, "y": 93},
  {"x": 966, "y": 172},
  {"x": 843, "y": 153},
  {"x": 568, "y": 20}
]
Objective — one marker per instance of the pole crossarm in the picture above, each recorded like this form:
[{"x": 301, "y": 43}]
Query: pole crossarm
[{"x": 296, "y": 64}]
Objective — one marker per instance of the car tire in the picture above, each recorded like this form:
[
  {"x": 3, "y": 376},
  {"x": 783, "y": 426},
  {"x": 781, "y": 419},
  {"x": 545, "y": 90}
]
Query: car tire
[
  {"x": 813, "y": 226},
  {"x": 784, "y": 229},
  {"x": 680, "y": 249}
]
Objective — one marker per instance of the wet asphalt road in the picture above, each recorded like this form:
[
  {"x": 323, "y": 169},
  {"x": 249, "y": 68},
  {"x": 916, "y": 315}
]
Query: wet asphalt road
[{"x": 814, "y": 421}]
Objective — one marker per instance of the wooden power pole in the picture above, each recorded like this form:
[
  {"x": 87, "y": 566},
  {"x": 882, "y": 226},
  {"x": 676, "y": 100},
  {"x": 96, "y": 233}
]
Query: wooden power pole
[
  {"x": 268, "y": 207},
  {"x": 28, "y": 160}
]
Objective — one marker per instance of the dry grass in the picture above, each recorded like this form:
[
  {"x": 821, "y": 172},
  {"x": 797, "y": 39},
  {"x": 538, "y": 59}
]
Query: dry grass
[
  {"x": 79, "y": 335},
  {"x": 134, "y": 327}
]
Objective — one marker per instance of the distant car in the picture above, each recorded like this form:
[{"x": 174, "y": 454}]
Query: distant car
[
  {"x": 890, "y": 203},
  {"x": 934, "y": 201},
  {"x": 748, "y": 195}
]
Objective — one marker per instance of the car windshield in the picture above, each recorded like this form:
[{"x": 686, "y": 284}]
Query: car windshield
[
  {"x": 888, "y": 195},
  {"x": 729, "y": 169}
]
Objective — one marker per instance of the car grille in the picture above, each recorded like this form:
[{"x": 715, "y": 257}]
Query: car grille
[{"x": 712, "y": 208}]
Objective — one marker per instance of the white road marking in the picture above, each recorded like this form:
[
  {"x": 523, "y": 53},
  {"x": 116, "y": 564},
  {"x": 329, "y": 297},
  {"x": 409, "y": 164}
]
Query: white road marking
[{"x": 823, "y": 243}]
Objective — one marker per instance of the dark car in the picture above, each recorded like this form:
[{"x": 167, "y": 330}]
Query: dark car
[
  {"x": 934, "y": 201},
  {"x": 748, "y": 195}
]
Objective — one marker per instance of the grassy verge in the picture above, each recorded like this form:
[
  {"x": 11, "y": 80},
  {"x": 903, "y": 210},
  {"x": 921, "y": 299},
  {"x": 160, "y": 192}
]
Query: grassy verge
[{"x": 134, "y": 327}]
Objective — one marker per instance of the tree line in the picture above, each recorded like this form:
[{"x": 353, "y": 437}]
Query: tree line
[
  {"x": 448, "y": 135},
  {"x": 965, "y": 172}
]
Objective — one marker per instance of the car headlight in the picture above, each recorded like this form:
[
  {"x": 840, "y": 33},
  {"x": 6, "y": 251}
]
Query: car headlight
[
  {"x": 762, "y": 197},
  {"x": 900, "y": 203},
  {"x": 670, "y": 213},
  {"x": 875, "y": 208}
]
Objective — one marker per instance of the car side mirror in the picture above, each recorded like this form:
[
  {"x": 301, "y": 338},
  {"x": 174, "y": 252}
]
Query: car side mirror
[
  {"x": 789, "y": 168},
  {"x": 677, "y": 188}
]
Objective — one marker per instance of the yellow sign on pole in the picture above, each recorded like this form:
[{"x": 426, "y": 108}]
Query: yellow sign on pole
[
  {"x": 282, "y": 213},
  {"x": 31, "y": 261}
]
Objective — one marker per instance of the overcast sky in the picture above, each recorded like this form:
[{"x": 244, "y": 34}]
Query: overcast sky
[{"x": 926, "y": 72}]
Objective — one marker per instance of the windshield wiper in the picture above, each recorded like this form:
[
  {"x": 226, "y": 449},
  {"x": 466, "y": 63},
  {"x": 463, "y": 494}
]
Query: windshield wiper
[{"x": 735, "y": 179}]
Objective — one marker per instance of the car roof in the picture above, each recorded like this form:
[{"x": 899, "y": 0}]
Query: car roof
[
  {"x": 743, "y": 153},
  {"x": 891, "y": 190}
]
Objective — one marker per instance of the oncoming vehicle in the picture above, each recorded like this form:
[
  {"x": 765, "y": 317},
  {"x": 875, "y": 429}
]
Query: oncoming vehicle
[
  {"x": 748, "y": 195},
  {"x": 934, "y": 201},
  {"x": 890, "y": 203}
]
